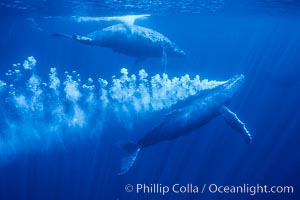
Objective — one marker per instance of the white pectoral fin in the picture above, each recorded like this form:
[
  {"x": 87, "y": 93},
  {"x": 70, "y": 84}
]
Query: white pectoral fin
[{"x": 233, "y": 121}]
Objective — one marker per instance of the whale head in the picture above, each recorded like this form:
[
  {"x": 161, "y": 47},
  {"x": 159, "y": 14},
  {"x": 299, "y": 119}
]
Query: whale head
[
  {"x": 234, "y": 83},
  {"x": 231, "y": 86},
  {"x": 223, "y": 93}
]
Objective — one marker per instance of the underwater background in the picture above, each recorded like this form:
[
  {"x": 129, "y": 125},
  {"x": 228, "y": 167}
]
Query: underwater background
[{"x": 66, "y": 107}]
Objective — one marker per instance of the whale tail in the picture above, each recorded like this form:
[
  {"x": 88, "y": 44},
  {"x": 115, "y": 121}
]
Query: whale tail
[
  {"x": 132, "y": 151},
  {"x": 75, "y": 37},
  {"x": 81, "y": 39},
  {"x": 61, "y": 35}
]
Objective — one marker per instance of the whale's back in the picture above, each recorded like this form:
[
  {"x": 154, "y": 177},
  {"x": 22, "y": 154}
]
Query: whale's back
[{"x": 134, "y": 40}]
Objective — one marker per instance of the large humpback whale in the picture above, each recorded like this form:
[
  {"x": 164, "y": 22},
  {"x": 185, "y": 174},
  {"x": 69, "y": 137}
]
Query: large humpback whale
[
  {"x": 190, "y": 115},
  {"x": 131, "y": 40}
]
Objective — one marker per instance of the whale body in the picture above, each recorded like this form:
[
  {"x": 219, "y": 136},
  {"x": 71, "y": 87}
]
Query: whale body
[
  {"x": 131, "y": 40},
  {"x": 190, "y": 115}
]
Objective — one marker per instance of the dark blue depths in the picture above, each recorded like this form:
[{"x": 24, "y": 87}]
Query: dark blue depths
[{"x": 264, "y": 47}]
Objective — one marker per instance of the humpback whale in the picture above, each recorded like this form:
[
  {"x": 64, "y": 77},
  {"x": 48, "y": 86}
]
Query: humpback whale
[
  {"x": 131, "y": 40},
  {"x": 189, "y": 115}
]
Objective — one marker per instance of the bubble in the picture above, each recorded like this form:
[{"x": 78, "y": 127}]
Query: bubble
[
  {"x": 37, "y": 114},
  {"x": 29, "y": 63}
]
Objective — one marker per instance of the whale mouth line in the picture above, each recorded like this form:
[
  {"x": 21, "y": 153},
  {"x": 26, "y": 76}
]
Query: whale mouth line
[{"x": 237, "y": 80}]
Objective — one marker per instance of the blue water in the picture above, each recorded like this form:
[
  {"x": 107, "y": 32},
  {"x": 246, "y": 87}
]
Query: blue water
[{"x": 61, "y": 132}]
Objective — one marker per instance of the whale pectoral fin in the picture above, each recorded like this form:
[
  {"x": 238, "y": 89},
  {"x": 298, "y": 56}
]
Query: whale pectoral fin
[{"x": 233, "y": 121}]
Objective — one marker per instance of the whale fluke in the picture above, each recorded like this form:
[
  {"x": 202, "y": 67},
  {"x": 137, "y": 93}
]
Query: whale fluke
[
  {"x": 132, "y": 151},
  {"x": 61, "y": 35}
]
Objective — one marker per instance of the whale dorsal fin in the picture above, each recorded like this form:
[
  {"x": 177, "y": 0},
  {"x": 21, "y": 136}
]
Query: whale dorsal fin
[
  {"x": 233, "y": 121},
  {"x": 126, "y": 19}
]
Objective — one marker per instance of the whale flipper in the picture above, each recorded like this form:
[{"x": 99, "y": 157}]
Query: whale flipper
[
  {"x": 233, "y": 121},
  {"x": 132, "y": 152}
]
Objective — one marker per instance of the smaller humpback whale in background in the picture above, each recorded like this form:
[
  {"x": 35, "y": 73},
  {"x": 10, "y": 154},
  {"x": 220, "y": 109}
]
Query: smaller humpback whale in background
[
  {"x": 129, "y": 39},
  {"x": 189, "y": 115}
]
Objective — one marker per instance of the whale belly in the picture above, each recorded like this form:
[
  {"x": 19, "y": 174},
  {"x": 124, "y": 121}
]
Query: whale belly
[
  {"x": 180, "y": 123},
  {"x": 135, "y": 46},
  {"x": 133, "y": 41}
]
